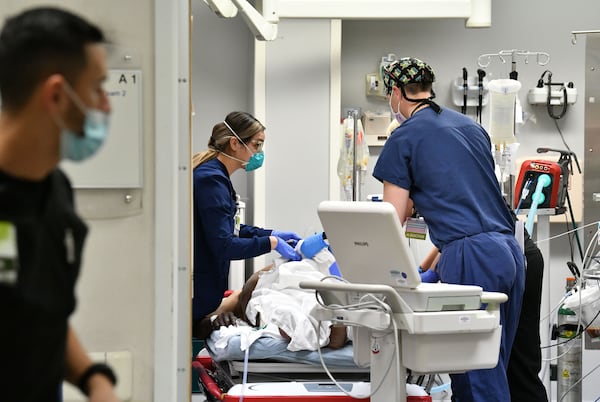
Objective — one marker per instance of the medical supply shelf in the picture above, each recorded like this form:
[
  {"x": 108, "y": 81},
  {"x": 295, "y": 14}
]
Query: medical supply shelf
[{"x": 545, "y": 211}]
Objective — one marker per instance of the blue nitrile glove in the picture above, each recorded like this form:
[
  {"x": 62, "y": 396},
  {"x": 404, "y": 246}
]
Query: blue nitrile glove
[
  {"x": 286, "y": 235},
  {"x": 286, "y": 250},
  {"x": 430, "y": 276},
  {"x": 335, "y": 270},
  {"x": 312, "y": 245}
]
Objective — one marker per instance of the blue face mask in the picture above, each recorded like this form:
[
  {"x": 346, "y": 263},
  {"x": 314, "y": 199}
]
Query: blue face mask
[
  {"x": 255, "y": 161},
  {"x": 257, "y": 158},
  {"x": 95, "y": 128}
]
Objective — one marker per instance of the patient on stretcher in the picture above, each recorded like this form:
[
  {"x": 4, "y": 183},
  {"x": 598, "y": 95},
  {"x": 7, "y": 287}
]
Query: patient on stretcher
[{"x": 271, "y": 303}]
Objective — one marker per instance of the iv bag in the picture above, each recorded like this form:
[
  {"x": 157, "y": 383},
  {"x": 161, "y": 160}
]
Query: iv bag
[
  {"x": 346, "y": 166},
  {"x": 503, "y": 94}
]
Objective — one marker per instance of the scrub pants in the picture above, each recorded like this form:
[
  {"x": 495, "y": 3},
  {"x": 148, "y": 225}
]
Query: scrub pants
[{"x": 495, "y": 262}]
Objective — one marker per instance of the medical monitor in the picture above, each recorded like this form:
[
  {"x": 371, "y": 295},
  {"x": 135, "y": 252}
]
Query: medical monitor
[{"x": 368, "y": 243}]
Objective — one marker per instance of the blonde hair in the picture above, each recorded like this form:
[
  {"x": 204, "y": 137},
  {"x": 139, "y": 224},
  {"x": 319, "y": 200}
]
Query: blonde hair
[{"x": 245, "y": 126}]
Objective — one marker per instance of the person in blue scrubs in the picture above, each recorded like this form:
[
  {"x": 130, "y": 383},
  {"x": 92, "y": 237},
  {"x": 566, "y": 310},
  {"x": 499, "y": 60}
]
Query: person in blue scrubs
[
  {"x": 442, "y": 161},
  {"x": 236, "y": 143}
]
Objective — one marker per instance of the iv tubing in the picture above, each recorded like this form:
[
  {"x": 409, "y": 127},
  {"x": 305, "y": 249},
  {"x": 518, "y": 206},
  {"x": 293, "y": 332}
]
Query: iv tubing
[{"x": 537, "y": 198}]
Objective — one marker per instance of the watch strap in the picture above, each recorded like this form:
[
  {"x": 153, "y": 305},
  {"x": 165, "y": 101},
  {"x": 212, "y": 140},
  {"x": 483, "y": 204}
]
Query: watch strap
[{"x": 95, "y": 368}]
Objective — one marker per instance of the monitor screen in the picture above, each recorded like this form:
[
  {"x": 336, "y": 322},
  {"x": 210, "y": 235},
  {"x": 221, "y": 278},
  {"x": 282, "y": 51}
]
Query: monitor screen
[{"x": 368, "y": 243}]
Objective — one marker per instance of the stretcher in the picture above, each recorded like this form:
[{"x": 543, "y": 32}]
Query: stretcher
[
  {"x": 274, "y": 372},
  {"x": 219, "y": 388}
]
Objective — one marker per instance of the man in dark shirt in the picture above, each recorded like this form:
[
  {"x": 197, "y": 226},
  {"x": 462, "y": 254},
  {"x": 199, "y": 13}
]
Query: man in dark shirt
[{"x": 52, "y": 66}]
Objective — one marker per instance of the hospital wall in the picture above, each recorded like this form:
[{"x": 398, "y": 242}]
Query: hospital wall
[
  {"x": 115, "y": 292},
  {"x": 222, "y": 54},
  {"x": 301, "y": 70}
]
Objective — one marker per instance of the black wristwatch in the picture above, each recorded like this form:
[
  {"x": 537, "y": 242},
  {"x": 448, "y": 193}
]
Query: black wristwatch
[{"x": 96, "y": 368}]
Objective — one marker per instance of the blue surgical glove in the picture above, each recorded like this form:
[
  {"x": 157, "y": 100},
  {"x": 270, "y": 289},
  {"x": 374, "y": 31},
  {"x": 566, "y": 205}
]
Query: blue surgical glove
[
  {"x": 311, "y": 245},
  {"x": 335, "y": 270},
  {"x": 286, "y": 235},
  {"x": 430, "y": 276},
  {"x": 286, "y": 250}
]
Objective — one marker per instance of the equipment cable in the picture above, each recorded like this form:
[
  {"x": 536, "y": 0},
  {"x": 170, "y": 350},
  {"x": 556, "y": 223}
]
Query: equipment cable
[
  {"x": 375, "y": 304},
  {"x": 480, "y": 75},
  {"x": 465, "y": 89}
]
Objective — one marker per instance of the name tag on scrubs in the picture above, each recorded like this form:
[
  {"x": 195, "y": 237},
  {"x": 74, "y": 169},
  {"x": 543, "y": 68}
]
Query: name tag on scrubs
[
  {"x": 416, "y": 229},
  {"x": 8, "y": 253},
  {"x": 237, "y": 219}
]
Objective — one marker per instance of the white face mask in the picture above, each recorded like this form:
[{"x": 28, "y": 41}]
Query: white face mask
[{"x": 399, "y": 116}]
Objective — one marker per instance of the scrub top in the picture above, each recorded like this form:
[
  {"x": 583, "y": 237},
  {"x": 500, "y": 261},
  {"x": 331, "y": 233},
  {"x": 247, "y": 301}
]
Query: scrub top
[
  {"x": 445, "y": 162},
  {"x": 217, "y": 240}
]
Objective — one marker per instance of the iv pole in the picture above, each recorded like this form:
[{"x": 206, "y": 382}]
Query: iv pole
[
  {"x": 542, "y": 58},
  {"x": 355, "y": 190}
]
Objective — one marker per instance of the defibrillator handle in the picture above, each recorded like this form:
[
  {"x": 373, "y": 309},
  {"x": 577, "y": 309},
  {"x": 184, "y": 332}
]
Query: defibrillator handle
[{"x": 565, "y": 156}]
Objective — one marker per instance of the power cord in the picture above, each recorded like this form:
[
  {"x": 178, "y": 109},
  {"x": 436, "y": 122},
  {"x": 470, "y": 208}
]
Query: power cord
[
  {"x": 465, "y": 77},
  {"x": 549, "y": 84},
  {"x": 480, "y": 75}
]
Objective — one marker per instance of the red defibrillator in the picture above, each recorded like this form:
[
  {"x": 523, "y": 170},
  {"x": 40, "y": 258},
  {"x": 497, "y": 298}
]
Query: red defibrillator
[{"x": 554, "y": 194}]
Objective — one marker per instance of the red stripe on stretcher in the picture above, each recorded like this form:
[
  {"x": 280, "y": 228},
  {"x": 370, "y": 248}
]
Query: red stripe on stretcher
[
  {"x": 209, "y": 383},
  {"x": 307, "y": 398}
]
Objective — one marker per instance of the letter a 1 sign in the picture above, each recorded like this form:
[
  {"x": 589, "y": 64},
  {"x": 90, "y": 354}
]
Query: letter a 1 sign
[{"x": 119, "y": 163}]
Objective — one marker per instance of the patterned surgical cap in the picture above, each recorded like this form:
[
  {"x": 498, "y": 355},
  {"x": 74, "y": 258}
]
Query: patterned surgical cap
[{"x": 407, "y": 70}]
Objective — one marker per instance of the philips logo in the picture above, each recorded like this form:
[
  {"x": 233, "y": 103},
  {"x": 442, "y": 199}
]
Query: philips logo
[{"x": 361, "y": 243}]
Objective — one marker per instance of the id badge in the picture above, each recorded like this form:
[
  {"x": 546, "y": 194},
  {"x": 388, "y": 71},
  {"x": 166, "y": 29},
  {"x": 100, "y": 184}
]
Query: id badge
[
  {"x": 237, "y": 221},
  {"x": 8, "y": 253},
  {"x": 416, "y": 228}
]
